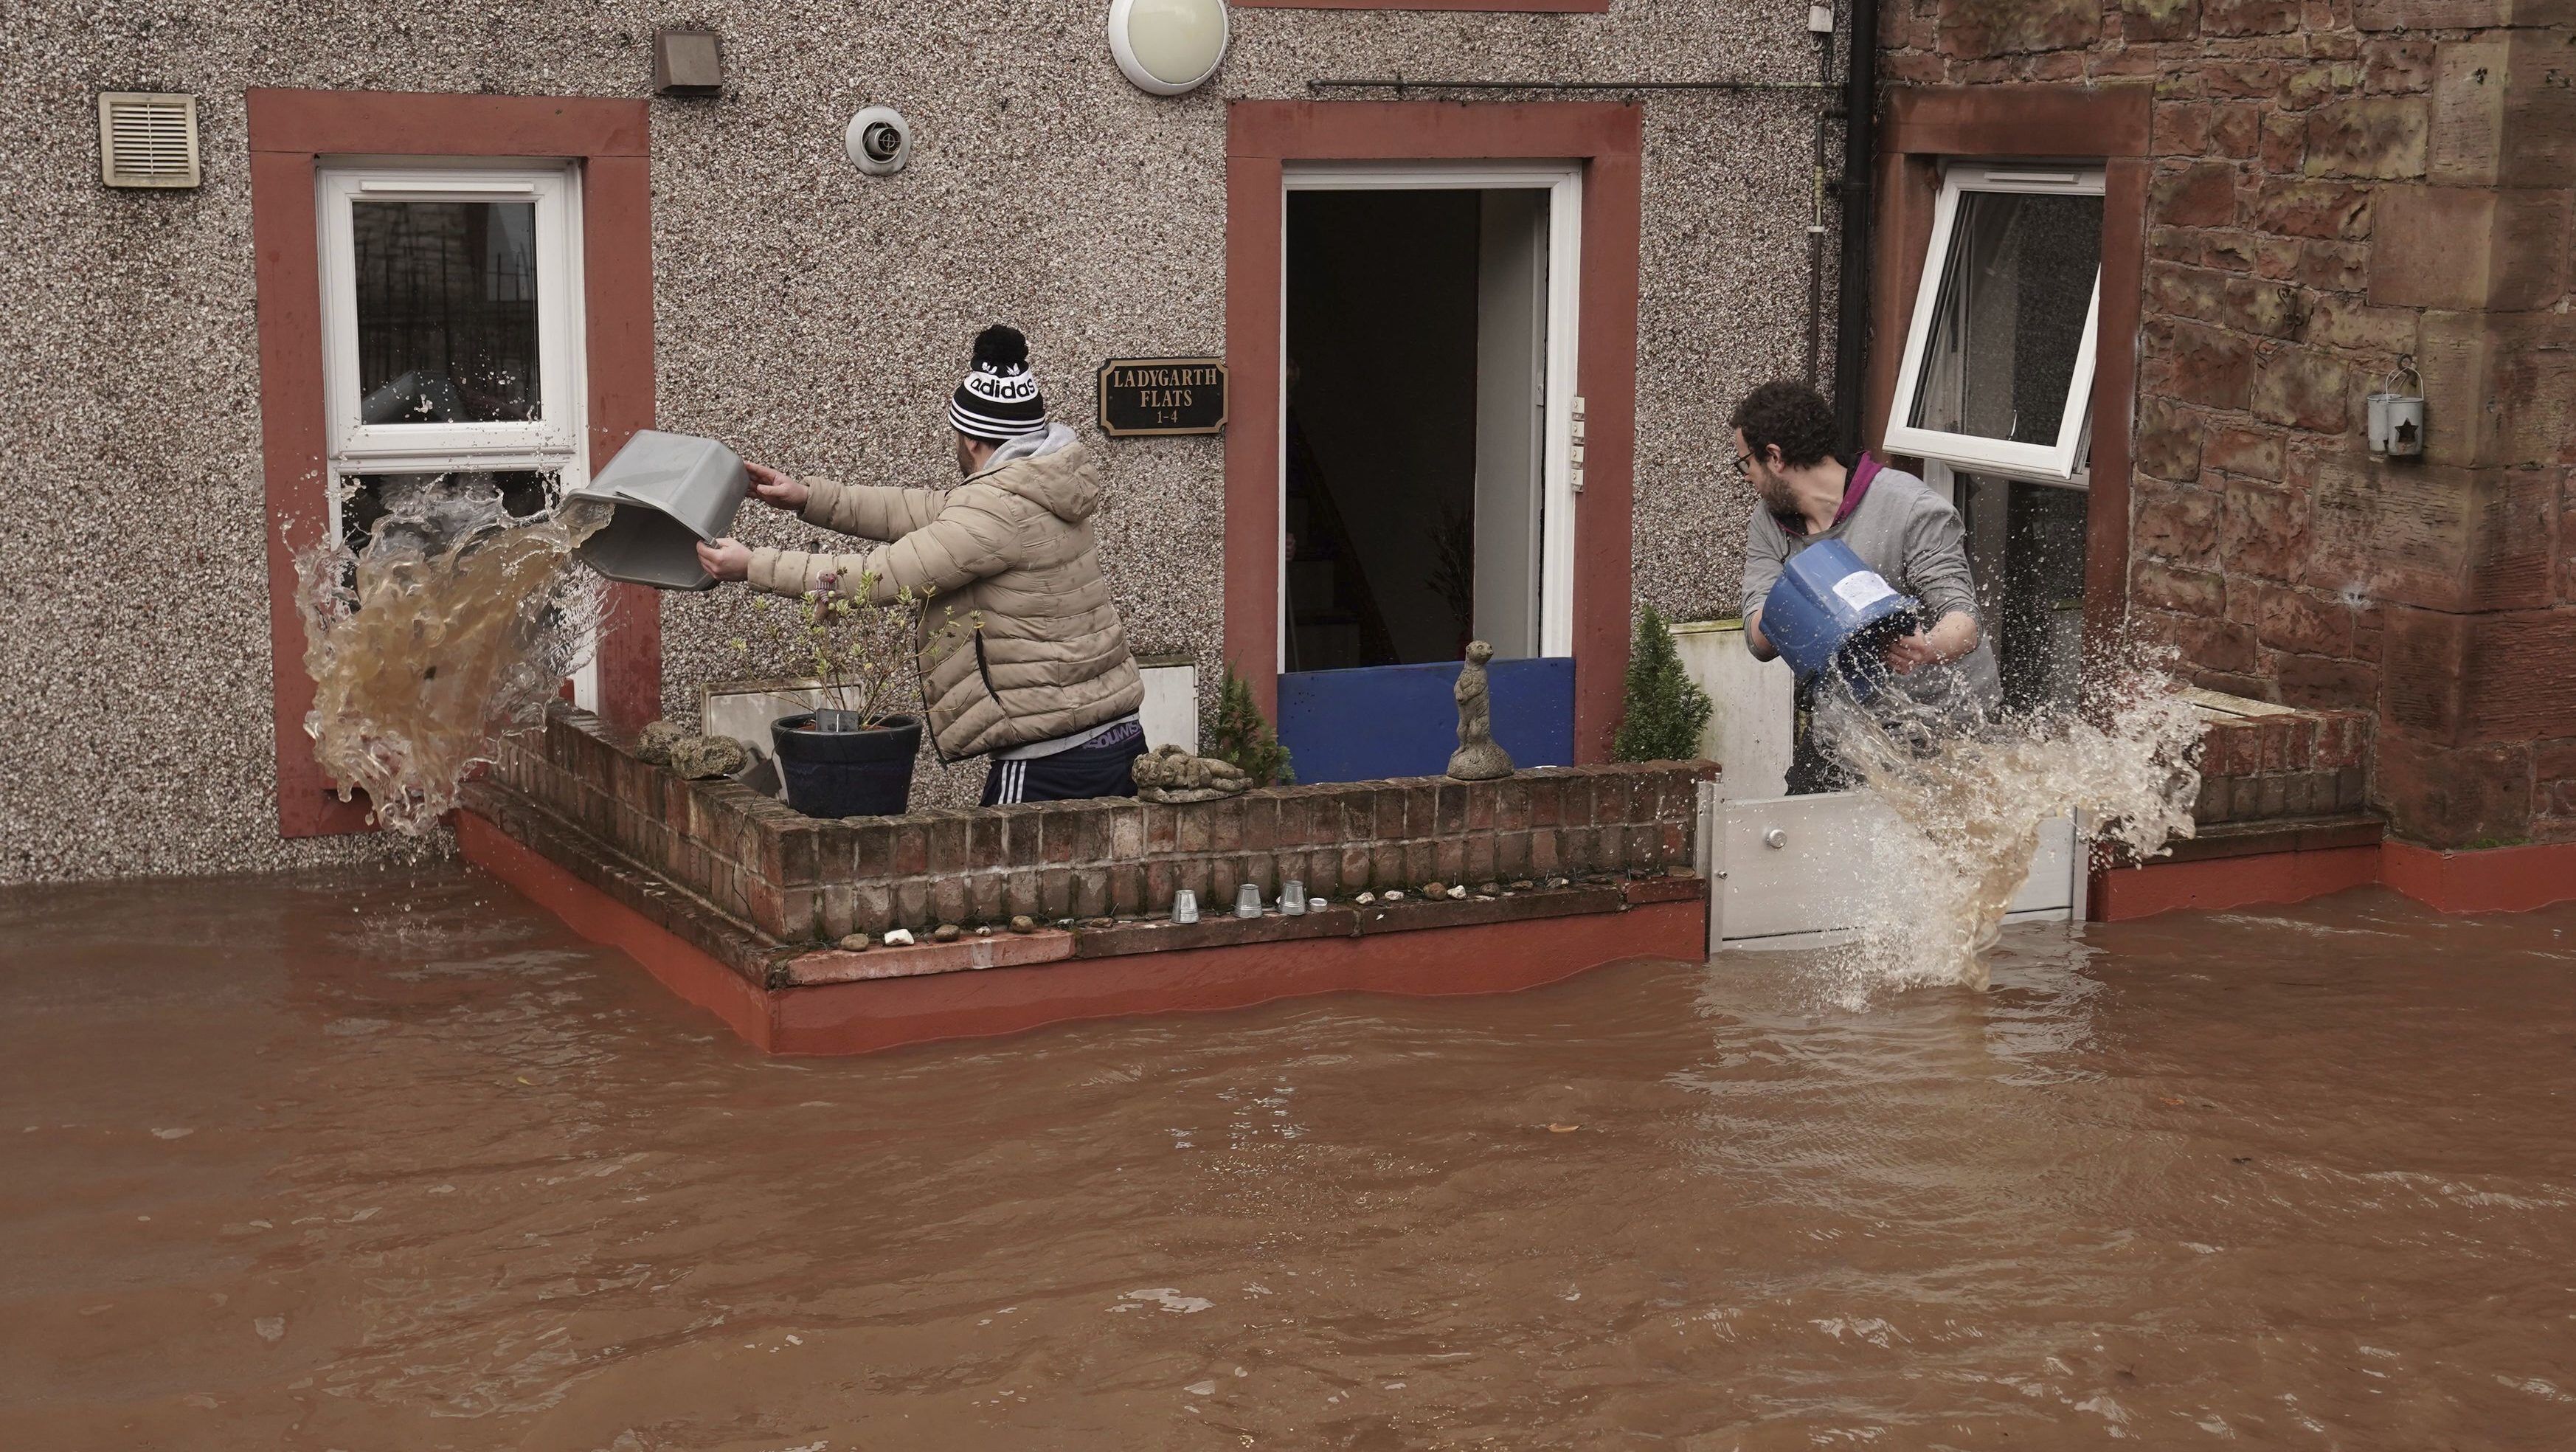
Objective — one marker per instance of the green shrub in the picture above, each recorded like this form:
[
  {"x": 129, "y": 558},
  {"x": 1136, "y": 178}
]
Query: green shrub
[
  {"x": 1665, "y": 710},
  {"x": 1240, "y": 735}
]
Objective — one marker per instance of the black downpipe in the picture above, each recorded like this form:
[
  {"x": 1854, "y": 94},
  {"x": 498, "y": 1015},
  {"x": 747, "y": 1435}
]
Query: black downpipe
[
  {"x": 1816, "y": 213},
  {"x": 1860, "y": 163}
]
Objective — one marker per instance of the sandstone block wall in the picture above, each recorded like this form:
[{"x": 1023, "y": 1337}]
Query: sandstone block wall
[{"x": 2338, "y": 183}]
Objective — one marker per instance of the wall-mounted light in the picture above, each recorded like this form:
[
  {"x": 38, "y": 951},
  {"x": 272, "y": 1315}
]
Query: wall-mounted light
[
  {"x": 1168, "y": 47},
  {"x": 688, "y": 62},
  {"x": 2396, "y": 419},
  {"x": 878, "y": 140}
]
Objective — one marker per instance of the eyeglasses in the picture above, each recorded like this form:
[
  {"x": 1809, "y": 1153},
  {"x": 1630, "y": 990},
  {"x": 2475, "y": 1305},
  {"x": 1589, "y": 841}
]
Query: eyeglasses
[{"x": 1743, "y": 466}]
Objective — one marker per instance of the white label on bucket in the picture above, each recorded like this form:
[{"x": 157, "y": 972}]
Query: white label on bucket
[{"x": 1862, "y": 589}]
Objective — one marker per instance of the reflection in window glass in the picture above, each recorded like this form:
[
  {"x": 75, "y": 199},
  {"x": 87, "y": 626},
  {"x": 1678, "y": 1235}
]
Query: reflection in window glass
[
  {"x": 2015, "y": 291},
  {"x": 447, "y": 311}
]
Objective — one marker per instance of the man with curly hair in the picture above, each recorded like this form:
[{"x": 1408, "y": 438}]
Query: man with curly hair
[{"x": 1784, "y": 447}]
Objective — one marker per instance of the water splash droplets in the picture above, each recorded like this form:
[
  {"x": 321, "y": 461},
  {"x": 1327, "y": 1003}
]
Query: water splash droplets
[
  {"x": 455, "y": 624},
  {"x": 1964, "y": 810}
]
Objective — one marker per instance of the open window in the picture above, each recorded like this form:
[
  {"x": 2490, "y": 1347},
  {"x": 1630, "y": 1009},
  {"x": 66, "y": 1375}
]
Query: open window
[
  {"x": 451, "y": 338},
  {"x": 1998, "y": 365}
]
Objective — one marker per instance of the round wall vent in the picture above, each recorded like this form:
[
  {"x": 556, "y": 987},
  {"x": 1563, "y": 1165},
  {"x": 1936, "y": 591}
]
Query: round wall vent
[{"x": 879, "y": 140}]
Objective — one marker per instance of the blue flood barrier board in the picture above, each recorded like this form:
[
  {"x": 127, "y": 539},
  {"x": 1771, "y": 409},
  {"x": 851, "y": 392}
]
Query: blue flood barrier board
[{"x": 1382, "y": 721}]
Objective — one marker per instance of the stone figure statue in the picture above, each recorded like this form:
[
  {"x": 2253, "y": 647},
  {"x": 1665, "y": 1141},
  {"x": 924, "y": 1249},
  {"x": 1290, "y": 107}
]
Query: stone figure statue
[
  {"x": 1169, "y": 774},
  {"x": 1477, "y": 757}
]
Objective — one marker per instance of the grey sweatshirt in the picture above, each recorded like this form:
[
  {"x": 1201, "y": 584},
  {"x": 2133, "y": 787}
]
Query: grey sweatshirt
[{"x": 1909, "y": 535}]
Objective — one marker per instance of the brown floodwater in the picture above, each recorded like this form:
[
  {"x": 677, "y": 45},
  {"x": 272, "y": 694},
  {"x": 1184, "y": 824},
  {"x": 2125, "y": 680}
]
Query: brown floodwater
[{"x": 388, "y": 1160}]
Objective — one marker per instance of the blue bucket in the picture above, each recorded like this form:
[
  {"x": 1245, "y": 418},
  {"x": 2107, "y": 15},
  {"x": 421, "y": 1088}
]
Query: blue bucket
[{"x": 1829, "y": 610}]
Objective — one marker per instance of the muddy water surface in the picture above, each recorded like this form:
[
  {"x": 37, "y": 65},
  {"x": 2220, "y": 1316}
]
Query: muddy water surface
[{"x": 390, "y": 1161}]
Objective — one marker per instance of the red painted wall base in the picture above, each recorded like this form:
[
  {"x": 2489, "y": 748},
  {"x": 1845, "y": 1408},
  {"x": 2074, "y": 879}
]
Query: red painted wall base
[
  {"x": 2489, "y": 880},
  {"x": 595, "y": 915},
  {"x": 2122, "y": 893},
  {"x": 856, "y": 1018}
]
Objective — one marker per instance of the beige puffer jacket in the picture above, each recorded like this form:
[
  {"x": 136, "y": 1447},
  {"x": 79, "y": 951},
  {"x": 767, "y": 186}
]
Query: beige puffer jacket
[{"x": 1011, "y": 547}]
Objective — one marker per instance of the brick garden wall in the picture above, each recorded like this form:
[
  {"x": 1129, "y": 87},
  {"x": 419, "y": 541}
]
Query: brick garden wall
[
  {"x": 2289, "y": 766},
  {"x": 799, "y": 879},
  {"x": 2338, "y": 182}
]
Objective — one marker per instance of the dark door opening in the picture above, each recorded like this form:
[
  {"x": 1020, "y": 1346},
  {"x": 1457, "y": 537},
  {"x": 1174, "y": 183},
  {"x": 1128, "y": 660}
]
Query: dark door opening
[{"x": 1414, "y": 422}]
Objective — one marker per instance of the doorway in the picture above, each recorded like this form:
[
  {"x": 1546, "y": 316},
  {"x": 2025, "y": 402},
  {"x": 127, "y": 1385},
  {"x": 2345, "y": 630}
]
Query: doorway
[
  {"x": 1426, "y": 469},
  {"x": 2026, "y": 550}
]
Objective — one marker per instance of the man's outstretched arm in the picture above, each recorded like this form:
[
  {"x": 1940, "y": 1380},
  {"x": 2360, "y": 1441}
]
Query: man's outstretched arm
[{"x": 1937, "y": 573}]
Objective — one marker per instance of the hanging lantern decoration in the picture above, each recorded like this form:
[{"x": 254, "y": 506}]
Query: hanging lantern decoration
[
  {"x": 2397, "y": 419},
  {"x": 1168, "y": 47}
]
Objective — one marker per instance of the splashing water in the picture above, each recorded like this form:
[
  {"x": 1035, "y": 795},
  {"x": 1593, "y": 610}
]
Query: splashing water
[
  {"x": 456, "y": 624},
  {"x": 1964, "y": 810}
]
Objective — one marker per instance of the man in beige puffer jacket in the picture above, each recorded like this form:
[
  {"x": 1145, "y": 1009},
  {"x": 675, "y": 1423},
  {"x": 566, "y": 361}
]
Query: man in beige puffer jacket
[{"x": 1023, "y": 657}]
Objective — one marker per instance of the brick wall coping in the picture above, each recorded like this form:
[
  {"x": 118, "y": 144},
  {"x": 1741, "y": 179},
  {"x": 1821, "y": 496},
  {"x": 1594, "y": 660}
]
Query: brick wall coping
[
  {"x": 2262, "y": 762},
  {"x": 764, "y": 962}
]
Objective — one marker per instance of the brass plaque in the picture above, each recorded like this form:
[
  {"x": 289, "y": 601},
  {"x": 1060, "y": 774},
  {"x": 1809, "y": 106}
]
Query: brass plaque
[{"x": 1145, "y": 396}]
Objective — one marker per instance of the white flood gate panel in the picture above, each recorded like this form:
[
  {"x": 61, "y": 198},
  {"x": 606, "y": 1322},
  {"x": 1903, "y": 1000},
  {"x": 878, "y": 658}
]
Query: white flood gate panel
[
  {"x": 1788, "y": 870},
  {"x": 1755, "y": 705}
]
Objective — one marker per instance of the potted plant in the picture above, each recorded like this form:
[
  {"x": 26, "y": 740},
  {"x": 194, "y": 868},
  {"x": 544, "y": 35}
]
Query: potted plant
[{"x": 852, "y": 755}]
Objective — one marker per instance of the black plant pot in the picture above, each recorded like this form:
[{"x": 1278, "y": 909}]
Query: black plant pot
[{"x": 846, "y": 773}]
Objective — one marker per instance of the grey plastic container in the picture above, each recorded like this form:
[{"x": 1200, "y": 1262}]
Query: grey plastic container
[{"x": 669, "y": 491}]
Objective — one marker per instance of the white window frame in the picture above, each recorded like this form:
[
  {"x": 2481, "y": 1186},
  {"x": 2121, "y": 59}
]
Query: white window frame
[
  {"x": 555, "y": 441},
  {"x": 1563, "y": 182},
  {"x": 2060, "y": 462}
]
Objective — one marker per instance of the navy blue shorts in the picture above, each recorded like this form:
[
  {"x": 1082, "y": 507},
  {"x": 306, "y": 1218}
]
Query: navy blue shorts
[{"x": 1100, "y": 767}]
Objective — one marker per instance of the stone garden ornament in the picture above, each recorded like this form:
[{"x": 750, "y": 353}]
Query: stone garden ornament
[
  {"x": 705, "y": 758},
  {"x": 1477, "y": 758},
  {"x": 690, "y": 755},
  {"x": 1170, "y": 774}
]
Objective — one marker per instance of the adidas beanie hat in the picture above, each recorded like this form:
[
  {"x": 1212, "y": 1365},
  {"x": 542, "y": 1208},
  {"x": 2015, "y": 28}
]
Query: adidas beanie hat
[{"x": 999, "y": 401}]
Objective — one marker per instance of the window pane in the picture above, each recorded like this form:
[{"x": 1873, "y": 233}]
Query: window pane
[
  {"x": 447, "y": 311},
  {"x": 367, "y": 498},
  {"x": 2010, "y": 318}
]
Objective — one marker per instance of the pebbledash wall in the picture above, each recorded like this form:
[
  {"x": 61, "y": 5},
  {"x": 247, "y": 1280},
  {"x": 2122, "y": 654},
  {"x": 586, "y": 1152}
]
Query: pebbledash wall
[
  {"x": 812, "y": 316},
  {"x": 2335, "y": 183}
]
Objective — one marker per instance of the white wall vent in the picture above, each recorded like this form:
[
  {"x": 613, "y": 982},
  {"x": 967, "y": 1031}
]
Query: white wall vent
[{"x": 146, "y": 139}]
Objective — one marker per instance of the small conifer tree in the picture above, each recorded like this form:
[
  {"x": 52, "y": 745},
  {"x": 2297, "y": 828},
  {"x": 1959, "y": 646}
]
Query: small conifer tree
[
  {"x": 1665, "y": 709},
  {"x": 1240, "y": 735}
]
